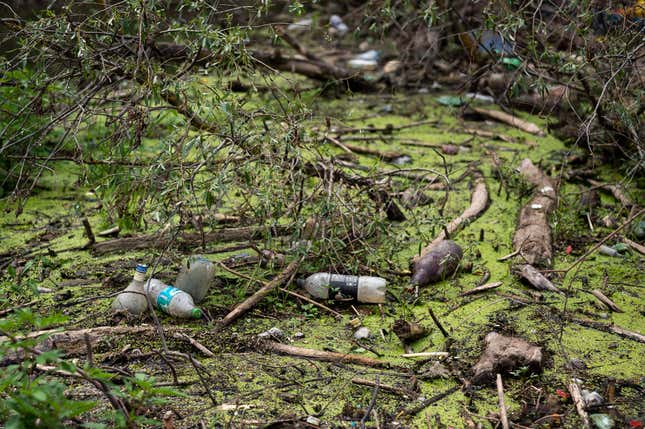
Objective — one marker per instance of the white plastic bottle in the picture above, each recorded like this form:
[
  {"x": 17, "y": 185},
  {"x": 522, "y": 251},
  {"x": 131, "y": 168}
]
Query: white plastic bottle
[
  {"x": 132, "y": 298},
  {"x": 171, "y": 300},
  {"x": 342, "y": 287},
  {"x": 196, "y": 277}
]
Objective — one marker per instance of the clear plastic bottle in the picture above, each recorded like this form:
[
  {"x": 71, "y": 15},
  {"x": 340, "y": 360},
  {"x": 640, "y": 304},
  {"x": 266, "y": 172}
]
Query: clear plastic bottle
[
  {"x": 340, "y": 287},
  {"x": 196, "y": 277},
  {"x": 132, "y": 298},
  {"x": 171, "y": 300}
]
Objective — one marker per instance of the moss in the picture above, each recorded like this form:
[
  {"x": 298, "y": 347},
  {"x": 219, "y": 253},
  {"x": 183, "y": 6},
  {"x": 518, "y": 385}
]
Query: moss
[{"x": 278, "y": 386}]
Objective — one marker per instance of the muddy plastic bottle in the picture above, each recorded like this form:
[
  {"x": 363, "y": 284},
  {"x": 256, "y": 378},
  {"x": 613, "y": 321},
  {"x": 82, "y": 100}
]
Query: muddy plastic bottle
[
  {"x": 132, "y": 298},
  {"x": 341, "y": 287},
  {"x": 171, "y": 300},
  {"x": 439, "y": 263},
  {"x": 196, "y": 277}
]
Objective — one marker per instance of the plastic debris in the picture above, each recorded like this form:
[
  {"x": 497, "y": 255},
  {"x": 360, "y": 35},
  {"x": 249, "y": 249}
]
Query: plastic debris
[
  {"x": 609, "y": 251},
  {"x": 365, "y": 61},
  {"x": 362, "y": 333},
  {"x": 450, "y": 100},
  {"x": 343, "y": 287},
  {"x": 171, "y": 300},
  {"x": 132, "y": 299},
  {"x": 302, "y": 25},
  {"x": 437, "y": 264},
  {"x": 273, "y": 333},
  {"x": 402, "y": 160},
  {"x": 592, "y": 399},
  {"x": 340, "y": 28},
  {"x": 196, "y": 277},
  {"x": 512, "y": 63},
  {"x": 314, "y": 421},
  {"x": 602, "y": 421}
]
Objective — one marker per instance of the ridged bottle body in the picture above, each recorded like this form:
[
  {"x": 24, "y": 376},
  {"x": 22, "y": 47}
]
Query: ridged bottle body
[
  {"x": 132, "y": 298},
  {"x": 342, "y": 287},
  {"x": 171, "y": 300},
  {"x": 196, "y": 277}
]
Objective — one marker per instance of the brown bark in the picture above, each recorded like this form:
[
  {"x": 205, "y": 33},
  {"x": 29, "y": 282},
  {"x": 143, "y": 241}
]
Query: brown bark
[
  {"x": 187, "y": 239},
  {"x": 532, "y": 239},
  {"x": 511, "y": 120},
  {"x": 253, "y": 300}
]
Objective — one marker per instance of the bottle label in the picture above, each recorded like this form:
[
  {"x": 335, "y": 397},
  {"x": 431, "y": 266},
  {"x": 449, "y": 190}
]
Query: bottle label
[
  {"x": 165, "y": 296},
  {"x": 343, "y": 287}
]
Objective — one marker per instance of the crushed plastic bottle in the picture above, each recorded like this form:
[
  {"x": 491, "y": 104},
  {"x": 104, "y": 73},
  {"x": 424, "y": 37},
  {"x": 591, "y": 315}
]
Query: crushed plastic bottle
[
  {"x": 132, "y": 298},
  {"x": 439, "y": 263},
  {"x": 196, "y": 277},
  {"x": 171, "y": 300},
  {"x": 341, "y": 287}
]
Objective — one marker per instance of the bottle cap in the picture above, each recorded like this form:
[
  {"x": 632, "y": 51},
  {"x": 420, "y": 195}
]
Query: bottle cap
[
  {"x": 196, "y": 313},
  {"x": 141, "y": 268},
  {"x": 300, "y": 282}
]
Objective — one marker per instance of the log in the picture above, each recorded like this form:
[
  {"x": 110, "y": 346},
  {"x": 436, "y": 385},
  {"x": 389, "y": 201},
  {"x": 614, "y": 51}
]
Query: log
[
  {"x": 322, "y": 355},
  {"x": 187, "y": 239},
  {"x": 511, "y": 120},
  {"x": 532, "y": 239},
  {"x": 252, "y": 301},
  {"x": 478, "y": 203}
]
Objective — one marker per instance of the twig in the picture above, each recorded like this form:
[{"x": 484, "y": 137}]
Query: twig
[
  {"x": 478, "y": 203},
  {"x": 424, "y": 404},
  {"x": 385, "y": 387},
  {"x": 322, "y": 355},
  {"x": 634, "y": 245},
  {"x": 481, "y": 288},
  {"x": 502, "y": 406},
  {"x": 88, "y": 232},
  {"x": 372, "y": 403},
  {"x": 608, "y": 302},
  {"x": 511, "y": 120},
  {"x": 260, "y": 294},
  {"x": 426, "y": 354},
  {"x": 438, "y": 323},
  {"x": 636, "y": 336},
  {"x": 615, "y": 191},
  {"x": 199, "y": 346},
  {"x": 576, "y": 397}
]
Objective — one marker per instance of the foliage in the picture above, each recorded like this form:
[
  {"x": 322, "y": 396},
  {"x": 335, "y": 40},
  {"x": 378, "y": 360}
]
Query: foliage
[{"x": 33, "y": 385}]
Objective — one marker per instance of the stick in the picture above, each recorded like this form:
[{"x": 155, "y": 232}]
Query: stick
[
  {"x": 158, "y": 241},
  {"x": 416, "y": 409},
  {"x": 385, "y": 388},
  {"x": 486, "y": 134},
  {"x": 370, "y": 407},
  {"x": 426, "y": 354},
  {"x": 199, "y": 346},
  {"x": 579, "y": 402},
  {"x": 636, "y": 336},
  {"x": 438, "y": 323},
  {"x": 322, "y": 355},
  {"x": 608, "y": 302},
  {"x": 478, "y": 203},
  {"x": 502, "y": 407},
  {"x": 387, "y": 155},
  {"x": 88, "y": 231},
  {"x": 511, "y": 120},
  {"x": 615, "y": 190},
  {"x": 481, "y": 288},
  {"x": 287, "y": 291},
  {"x": 260, "y": 294}
]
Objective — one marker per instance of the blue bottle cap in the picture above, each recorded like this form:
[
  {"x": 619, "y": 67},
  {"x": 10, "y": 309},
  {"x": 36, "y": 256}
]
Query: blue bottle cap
[{"x": 141, "y": 268}]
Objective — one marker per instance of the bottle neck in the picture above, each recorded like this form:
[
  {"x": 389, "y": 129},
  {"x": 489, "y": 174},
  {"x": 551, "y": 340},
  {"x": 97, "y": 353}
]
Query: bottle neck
[{"x": 139, "y": 277}]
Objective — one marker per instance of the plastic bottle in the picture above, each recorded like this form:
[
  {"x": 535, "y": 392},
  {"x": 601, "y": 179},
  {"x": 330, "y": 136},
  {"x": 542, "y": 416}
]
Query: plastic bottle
[
  {"x": 196, "y": 277},
  {"x": 339, "y": 287},
  {"x": 171, "y": 300},
  {"x": 437, "y": 264},
  {"x": 132, "y": 298}
]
